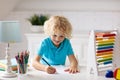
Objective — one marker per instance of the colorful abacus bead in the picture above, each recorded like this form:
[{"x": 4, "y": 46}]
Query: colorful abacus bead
[{"x": 117, "y": 74}]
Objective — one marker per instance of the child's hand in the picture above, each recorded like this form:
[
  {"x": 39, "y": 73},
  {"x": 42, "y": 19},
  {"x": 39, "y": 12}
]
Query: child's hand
[
  {"x": 72, "y": 69},
  {"x": 50, "y": 70}
]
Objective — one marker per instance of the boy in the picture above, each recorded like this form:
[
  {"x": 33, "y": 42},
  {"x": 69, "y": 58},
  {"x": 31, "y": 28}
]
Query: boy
[{"x": 56, "y": 47}]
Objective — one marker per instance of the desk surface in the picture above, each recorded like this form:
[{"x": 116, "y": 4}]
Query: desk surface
[{"x": 33, "y": 74}]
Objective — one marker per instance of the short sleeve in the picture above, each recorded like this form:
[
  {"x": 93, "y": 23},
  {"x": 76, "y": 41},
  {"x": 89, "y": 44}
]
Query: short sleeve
[
  {"x": 70, "y": 49},
  {"x": 41, "y": 48}
]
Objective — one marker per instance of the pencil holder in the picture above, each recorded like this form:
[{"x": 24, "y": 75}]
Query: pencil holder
[
  {"x": 22, "y": 61},
  {"x": 22, "y": 68}
]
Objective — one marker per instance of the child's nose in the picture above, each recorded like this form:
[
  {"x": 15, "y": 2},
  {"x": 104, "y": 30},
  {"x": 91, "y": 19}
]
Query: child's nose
[{"x": 57, "y": 38}]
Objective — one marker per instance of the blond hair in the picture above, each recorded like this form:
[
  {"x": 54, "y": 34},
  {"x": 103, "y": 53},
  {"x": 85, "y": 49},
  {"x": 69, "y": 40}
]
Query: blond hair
[{"x": 58, "y": 23}]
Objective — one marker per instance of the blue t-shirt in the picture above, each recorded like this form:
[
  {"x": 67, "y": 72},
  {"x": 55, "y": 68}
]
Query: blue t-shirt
[{"x": 55, "y": 55}]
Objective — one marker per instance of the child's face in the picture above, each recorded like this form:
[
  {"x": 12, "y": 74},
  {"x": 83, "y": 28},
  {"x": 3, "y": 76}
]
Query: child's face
[{"x": 57, "y": 38}]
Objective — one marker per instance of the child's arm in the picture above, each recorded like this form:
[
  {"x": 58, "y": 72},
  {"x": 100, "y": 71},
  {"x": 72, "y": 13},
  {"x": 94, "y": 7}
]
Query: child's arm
[
  {"x": 73, "y": 64},
  {"x": 37, "y": 65}
]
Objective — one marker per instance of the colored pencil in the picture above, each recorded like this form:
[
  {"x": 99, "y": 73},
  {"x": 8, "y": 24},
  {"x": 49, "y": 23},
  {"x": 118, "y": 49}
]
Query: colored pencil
[{"x": 46, "y": 61}]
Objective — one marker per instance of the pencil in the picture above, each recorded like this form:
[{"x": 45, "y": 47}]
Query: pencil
[{"x": 46, "y": 61}]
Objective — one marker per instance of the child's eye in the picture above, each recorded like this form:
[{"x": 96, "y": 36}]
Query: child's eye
[
  {"x": 61, "y": 36},
  {"x": 54, "y": 35},
  {"x": 58, "y": 36}
]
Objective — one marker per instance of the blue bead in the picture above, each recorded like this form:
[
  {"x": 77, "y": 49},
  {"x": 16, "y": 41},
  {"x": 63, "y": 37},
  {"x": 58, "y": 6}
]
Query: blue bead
[{"x": 109, "y": 74}]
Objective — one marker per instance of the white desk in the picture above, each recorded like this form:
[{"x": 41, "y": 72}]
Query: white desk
[{"x": 33, "y": 74}]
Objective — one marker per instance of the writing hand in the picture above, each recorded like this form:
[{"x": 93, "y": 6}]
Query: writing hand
[{"x": 50, "y": 70}]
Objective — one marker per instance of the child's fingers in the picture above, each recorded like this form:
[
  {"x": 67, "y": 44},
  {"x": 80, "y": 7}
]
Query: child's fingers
[
  {"x": 66, "y": 70},
  {"x": 71, "y": 70},
  {"x": 51, "y": 70}
]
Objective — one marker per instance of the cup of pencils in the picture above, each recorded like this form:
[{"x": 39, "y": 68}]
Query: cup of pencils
[{"x": 22, "y": 61}]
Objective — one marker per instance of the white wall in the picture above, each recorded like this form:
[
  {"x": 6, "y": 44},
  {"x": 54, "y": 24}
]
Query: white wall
[
  {"x": 83, "y": 14},
  {"x": 7, "y": 6},
  {"x": 103, "y": 5}
]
